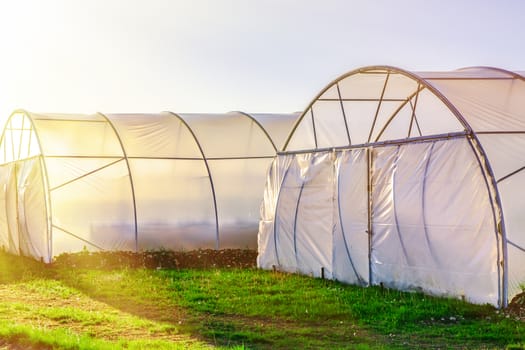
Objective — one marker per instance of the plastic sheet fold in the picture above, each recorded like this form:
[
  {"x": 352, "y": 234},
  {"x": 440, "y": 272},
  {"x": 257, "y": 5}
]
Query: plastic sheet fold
[
  {"x": 439, "y": 206},
  {"x": 432, "y": 221}
]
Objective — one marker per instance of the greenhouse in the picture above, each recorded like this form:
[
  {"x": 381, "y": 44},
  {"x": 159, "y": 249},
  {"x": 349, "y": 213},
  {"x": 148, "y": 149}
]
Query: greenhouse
[
  {"x": 408, "y": 180},
  {"x": 134, "y": 181}
]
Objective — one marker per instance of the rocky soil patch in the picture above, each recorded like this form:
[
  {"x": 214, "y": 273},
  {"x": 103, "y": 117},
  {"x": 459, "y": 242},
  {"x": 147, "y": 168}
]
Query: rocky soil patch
[{"x": 517, "y": 307}]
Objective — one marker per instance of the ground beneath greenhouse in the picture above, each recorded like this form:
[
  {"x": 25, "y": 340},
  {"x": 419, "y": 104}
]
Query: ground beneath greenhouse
[
  {"x": 202, "y": 258},
  {"x": 38, "y": 296},
  {"x": 517, "y": 307},
  {"x": 161, "y": 259}
]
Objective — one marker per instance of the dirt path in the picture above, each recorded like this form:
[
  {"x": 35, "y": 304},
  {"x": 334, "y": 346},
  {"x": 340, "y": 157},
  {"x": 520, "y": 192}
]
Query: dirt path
[{"x": 22, "y": 304}]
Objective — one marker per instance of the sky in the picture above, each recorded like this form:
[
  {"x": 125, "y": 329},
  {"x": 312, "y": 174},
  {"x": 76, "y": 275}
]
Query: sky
[{"x": 73, "y": 56}]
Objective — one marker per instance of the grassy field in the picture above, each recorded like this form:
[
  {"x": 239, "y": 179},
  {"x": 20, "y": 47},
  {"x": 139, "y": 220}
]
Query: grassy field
[{"x": 58, "y": 307}]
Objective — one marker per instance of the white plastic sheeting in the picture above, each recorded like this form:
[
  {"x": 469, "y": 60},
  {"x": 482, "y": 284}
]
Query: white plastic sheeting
[
  {"x": 417, "y": 210},
  {"x": 134, "y": 181},
  {"x": 350, "y": 236},
  {"x": 415, "y": 180},
  {"x": 23, "y": 222},
  {"x": 422, "y": 201}
]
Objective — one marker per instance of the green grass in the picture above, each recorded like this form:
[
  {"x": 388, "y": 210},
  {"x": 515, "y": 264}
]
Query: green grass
[
  {"x": 309, "y": 309},
  {"x": 57, "y": 307},
  {"x": 63, "y": 338}
]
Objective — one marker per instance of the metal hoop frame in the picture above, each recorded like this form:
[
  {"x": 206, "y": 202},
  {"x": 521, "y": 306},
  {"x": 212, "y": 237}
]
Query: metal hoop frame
[{"x": 476, "y": 146}]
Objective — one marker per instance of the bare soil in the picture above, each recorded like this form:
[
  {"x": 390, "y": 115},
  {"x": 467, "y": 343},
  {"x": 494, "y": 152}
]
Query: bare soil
[
  {"x": 161, "y": 259},
  {"x": 516, "y": 307}
]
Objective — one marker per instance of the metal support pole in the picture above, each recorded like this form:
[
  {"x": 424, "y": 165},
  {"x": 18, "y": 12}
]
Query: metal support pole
[{"x": 369, "y": 191}]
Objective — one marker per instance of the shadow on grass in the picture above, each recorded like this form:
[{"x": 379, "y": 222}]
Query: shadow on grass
[
  {"x": 264, "y": 308},
  {"x": 16, "y": 269},
  {"x": 149, "y": 295}
]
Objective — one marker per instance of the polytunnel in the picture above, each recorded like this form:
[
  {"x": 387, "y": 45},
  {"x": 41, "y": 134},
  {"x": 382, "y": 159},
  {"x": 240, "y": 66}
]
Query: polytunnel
[
  {"x": 134, "y": 181},
  {"x": 410, "y": 180}
]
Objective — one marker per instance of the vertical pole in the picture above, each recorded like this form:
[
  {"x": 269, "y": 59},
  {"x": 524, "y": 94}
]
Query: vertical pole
[
  {"x": 369, "y": 191},
  {"x": 497, "y": 214},
  {"x": 49, "y": 217},
  {"x": 505, "y": 261}
]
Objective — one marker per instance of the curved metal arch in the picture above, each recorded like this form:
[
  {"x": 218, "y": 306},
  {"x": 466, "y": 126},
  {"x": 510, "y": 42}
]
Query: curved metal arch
[
  {"x": 488, "y": 171},
  {"x": 130, "y": 178},
  {"x": 210, "y": 177},
  {"x": 494, "y": 183},
  {"x": 386, "y": 70},
  {"x": 437, "y": 93},
  {"x": 44, "y": 174},
  {"x": 488, "y": 177},
  {"x": 476, "y": 144},
  {"x": 27, "y": 115},
  {"x": 252, "y": 118}
]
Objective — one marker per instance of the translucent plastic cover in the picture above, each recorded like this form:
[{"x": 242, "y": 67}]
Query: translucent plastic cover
[
  {"x": 24, "y": 227},
  {"x": 175, "y": 208},
  {"x": 432, "y": 223},
  {"x": 77, "y": 138},
  {"x": 512, "y": 195},
  {"x": 96, "y": 209},
  {"x": 155, "y": 136},
  {"x": 416, "y": 183},
  {"x": 372, "y": 106},
  {"x": 134, "y": 181},
  {"x": 239, "y": 184},
  {"x": 351, "y": 240},
  {"x": 229, "y": 135},
  {"x": 277, "y": 126},
  {"x": 487, "y": 104}
]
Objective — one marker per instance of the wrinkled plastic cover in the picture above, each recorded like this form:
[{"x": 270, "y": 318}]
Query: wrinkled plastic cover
[
  {"x": 383, "y": 104},
  {"x": 24, "y": 226},
  {"x": 432, "y": 221},
  {"x": 487, "y": 104}
]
